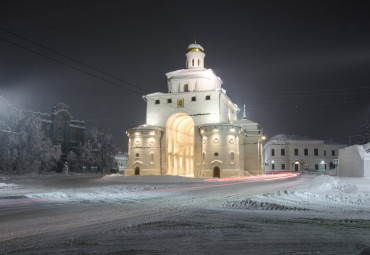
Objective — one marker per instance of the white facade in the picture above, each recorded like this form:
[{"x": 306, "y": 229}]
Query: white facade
[
  {"x": 193, "y": 129},
  {"x": 295, "y": 153},
  {"x": 354, "y": 161}
]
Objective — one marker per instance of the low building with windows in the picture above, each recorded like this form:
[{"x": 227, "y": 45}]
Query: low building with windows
[
  {"x": 121, "y": 160},
  {"x": 62, "y": 128},
  {"x": 294, "y": 153},
  {"x": 193, "y": 129}
]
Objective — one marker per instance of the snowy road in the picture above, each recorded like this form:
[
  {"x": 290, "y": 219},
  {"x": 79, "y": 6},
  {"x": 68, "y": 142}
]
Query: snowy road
[{"x": 150, "y": 216}]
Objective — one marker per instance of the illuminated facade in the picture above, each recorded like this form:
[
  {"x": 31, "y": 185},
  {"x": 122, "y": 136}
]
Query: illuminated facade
[{"x": 193, "y": 129}]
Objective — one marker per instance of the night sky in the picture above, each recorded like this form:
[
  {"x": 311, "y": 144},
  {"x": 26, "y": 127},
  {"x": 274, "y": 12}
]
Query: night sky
[{"x": 300, "y": 67}]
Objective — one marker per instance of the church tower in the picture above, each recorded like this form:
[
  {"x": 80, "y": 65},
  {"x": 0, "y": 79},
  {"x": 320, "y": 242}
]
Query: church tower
[{"x": 195, "y": 56}]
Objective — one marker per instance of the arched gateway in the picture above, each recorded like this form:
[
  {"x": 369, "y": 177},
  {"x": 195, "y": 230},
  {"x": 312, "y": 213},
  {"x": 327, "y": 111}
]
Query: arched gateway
[{"x": 180, "y": 145}]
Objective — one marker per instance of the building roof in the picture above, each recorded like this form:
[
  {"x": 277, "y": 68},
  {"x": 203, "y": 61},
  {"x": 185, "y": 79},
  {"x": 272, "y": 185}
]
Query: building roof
[
  {"x": 286, "y": 139},
  {"x": 194, "y": 47}
]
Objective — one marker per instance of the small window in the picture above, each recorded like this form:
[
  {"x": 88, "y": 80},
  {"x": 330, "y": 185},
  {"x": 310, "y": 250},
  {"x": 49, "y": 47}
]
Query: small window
[
  {"x": 316, "y": 166},
  {"x": 157, "y": 101},
  {"x": 282, "y": 152},
  {"x": 203, "y": 156},
  {"x": 193, "y": 99},
  {"x": 333, "y": 152},
  {"x": 324, "y": 153},
  {"x": 272, "y": 152},
  {"x": 208, "y": 97},
  {"x": 216, "y": 154},
  {"x": 232, "y": 156},
  {"x": 295, "y": 152},
  {"x": 186, "y": 88},
  {"x": 306, "y": 152},
  {"x": 137, "y": 155},
  {"x": 272, "y": 166},
  {"x": 169, "y": 100},
  {"x": 192, "y": 62},
  {"x": 282, "y": 166},
  {"x": 316, "y": 152}
]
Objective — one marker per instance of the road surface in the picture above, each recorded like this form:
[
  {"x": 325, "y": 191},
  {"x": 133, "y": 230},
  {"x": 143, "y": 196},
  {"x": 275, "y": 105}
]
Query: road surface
[{"x": 168, "y": 218}]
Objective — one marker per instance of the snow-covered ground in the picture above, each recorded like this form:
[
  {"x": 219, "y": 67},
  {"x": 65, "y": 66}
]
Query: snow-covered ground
[
  {"x": 114, "y": 214},
  {"x": 322, "y": 193}
]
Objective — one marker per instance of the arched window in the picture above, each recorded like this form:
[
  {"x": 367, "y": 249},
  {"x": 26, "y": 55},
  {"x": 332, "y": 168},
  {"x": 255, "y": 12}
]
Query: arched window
[
  {"x": 198, "y": 62},
  {"x": 216, "y": 154},
  {"x": 203, "y": 157},
  {"x": 186, "y": 88},
  {"x": 137, "y": 155},
  {"x": 232, "y": 155},
  {"x": 192, "y": 62}
]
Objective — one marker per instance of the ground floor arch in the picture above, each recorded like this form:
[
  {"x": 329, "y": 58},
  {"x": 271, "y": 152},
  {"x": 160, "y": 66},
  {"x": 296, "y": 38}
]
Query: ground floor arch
[
  {"x": 137, "y": 170},
  {"x": 216, "y": 172},
  {"x": 180, "y": 145}
]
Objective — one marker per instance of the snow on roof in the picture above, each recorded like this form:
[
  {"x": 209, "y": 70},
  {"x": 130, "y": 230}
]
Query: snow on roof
[
  {"x": 195, "y": 46},
  {"x": 284, "y": 138},
  {"x": 147, "y": 127},
  {"x": 195, "y": 72}
]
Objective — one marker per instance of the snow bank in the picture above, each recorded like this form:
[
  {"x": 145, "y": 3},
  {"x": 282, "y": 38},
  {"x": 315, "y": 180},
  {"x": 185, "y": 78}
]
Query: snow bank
[
  {"x": 322, "y": 193},
  {"x": 9, "y": 186},
  {"x": 112, "y": 193}
]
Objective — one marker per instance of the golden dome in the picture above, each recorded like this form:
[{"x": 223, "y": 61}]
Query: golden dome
[{"x": 194, "y": 48}]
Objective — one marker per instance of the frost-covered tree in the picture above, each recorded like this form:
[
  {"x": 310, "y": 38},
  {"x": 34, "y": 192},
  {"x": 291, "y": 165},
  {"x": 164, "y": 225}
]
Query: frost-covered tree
[
  {"x": 365, "y": 131},
  {"x": 23, "y": 145},
  {"x": 99, "y": 150}
]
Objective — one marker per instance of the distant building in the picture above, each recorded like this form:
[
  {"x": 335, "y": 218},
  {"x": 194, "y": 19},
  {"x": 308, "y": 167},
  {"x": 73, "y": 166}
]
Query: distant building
[
  {"x": 121, "y": 159},
  {"x": 193, "y": 130},
  {"x": 294, "y": 153},
  {"x": 354, "y": 161},
  {"x": 62, "y": 128}
]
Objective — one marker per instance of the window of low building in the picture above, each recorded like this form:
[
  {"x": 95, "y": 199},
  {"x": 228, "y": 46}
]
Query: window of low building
[
  {"x": 306, "y": 152},
  {"x": 157, "y": 101},
  {"x": 333, "y": 152},
  {"x": 282, "y": 166},
  {"x": 272, "y": 152},
  {"x": 316, "y": 166},
  {"x": 272, "y": 166},
  {"x": 193, "y": 99},
  {"x": 208, "y": 97},
  {"x": 169, "y": 100},
  {"x": 216, "y": 154},
  {"x": 316, "y": 152},
  {"x": 324, "y": 153},
  {"x": 282, "y": 152},
  {"x": 295, "y": 152},
  {"x": 137, "y": 155}
]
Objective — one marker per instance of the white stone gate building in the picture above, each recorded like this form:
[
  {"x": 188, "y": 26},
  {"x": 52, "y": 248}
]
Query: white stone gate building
[{"x": 193, "y": 129}]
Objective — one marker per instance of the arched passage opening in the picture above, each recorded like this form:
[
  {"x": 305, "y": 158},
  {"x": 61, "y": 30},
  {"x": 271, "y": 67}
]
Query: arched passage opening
[
  {"x": 137, "y": 171},
  {"x": 180, "y": 145},
  {"x": 216, "y": 172}
]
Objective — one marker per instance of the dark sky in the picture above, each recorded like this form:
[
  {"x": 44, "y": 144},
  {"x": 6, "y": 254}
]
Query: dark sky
[{"x": 301, "y": 67}]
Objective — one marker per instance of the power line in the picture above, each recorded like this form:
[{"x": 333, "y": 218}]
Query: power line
[
  {"x": 76, "y": 68},
  {"x": 71, "y": 58}
]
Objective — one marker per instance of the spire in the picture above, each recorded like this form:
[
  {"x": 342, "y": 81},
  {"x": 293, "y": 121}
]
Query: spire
[{"x": 244, "y": 114}]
